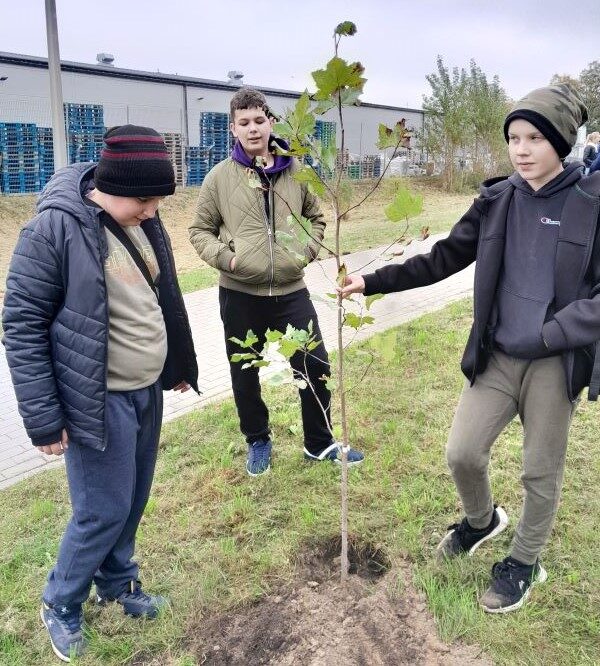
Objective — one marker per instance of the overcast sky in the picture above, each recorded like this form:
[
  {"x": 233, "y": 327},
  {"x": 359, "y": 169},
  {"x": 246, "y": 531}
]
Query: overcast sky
[{"x": 278, "y": 44}]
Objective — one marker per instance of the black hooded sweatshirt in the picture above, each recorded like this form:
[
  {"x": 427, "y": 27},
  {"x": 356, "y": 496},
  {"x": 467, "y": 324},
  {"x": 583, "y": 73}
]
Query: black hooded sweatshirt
[{"x": 525, "y": 295}]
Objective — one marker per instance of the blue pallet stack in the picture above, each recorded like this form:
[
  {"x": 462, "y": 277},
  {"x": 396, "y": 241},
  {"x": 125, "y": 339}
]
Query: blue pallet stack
[
  {"x": 46, "y": 154},
  {"x": 325, "y": 133},
  {"x": 19, "y": 160},
  {"x": 215, "y": 136},
  {"x": 85, "y": 128},
  {"x": 197, "y": 164},
  {"x": 377, "y": 167}
]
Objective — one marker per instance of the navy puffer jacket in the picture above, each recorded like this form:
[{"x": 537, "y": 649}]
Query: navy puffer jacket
[{"x": 55, "y": 315}]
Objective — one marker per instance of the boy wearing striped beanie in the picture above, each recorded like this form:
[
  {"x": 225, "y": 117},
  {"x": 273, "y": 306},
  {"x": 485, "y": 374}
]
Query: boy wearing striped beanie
[{"x": 95, "y": 328}]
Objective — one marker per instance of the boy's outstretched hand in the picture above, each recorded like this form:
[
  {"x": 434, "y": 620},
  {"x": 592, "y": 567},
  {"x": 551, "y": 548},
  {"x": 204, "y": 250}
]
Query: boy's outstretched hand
[
  {"x": 182, "y": 387},
  {"x": 353, "y": 284}
]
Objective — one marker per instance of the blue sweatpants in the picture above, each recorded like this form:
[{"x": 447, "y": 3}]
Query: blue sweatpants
[{"x": 109, "y": 490}]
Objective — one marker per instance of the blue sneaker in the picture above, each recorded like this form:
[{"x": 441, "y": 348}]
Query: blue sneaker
[
  {"x": 333, "y": 452},
  {"x": 259, "y": 457},
  {"x": 64, "y": 624},
  {"x": 135, "y": 602}
]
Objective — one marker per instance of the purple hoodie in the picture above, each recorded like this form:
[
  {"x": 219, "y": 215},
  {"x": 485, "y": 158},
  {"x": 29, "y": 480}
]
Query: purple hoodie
[{"x": 282, "y": 162}]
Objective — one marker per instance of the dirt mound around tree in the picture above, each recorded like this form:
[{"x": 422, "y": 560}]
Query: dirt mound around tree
[{"x": 376, "y": 618}]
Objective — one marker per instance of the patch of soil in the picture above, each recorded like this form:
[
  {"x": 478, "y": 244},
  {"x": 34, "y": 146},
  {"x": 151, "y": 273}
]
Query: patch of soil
[{"x": 320, "y": 622}]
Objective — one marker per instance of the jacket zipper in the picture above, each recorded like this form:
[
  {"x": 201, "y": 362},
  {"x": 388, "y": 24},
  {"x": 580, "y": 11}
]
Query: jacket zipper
[
  {"x": 571, "y": 352},
  {"x": 103, "y": 246},
  {"x": 270, "y": 233}
]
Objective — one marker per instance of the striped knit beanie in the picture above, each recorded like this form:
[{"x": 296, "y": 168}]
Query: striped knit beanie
[
  {"x": 557, "y": 111},
  {"x": 134, "y": 163}
]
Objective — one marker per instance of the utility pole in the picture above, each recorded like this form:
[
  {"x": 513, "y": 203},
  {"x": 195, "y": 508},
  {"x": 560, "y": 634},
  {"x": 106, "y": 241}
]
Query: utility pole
[{"x": 56, "y": 98}]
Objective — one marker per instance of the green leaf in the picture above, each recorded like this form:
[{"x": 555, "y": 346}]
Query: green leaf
[
  {"x": 297, "y": 126},
  {"x": 262, "y": 363},
  {"x": 356, "y": 321},
  {"x": 327, "y": 301},
  {"x": 273, "y": 336},
  {"x": 350, "y": 97},
  {"x": 393, "y": 137},
  {"x": 328, "y": 155},
  {"x": 385, "y": 344},
  {"x": 346, "y": 28},
  {"x": 404, "y": 206},
  {"x": 337, "y": 76},
  {"x": 253, "y": 179},
  {"x": 324, "y": 105},
  {"x": 330, "y": 383},
  {"x": 288, "y": 348},
  {"x": 369, "y": 300},
  {"x": 250, "y": 340},
  {"x": 291, "y": 244},
  {"x": 236, "y": 358},
  {"x": 309, "y": 176},
  {"x": 297, "y": 239},
  {"x": 300, "y": 383}
]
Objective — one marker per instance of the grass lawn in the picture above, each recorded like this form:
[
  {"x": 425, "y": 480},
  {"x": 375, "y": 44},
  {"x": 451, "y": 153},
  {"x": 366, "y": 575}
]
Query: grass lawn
[{"x": 212, "y": 538}]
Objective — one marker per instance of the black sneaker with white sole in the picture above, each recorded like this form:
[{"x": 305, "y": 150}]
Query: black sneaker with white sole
[
  {"x": 463, "y": 539},
  {"x": 511, "y": 585}
]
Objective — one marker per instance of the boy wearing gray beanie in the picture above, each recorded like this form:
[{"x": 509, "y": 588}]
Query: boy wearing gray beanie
[
  {"x": 536, "y": 323},
  {"x": 95, "y": 328}
]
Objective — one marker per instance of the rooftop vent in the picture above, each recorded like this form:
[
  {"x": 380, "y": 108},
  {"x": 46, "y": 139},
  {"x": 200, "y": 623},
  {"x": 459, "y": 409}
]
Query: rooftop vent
[
  {"x": 235, "y": 77},
  {"x": 106, "y": 59}
]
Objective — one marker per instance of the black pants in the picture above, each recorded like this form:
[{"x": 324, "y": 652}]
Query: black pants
[{"x": 241, "y": 312}]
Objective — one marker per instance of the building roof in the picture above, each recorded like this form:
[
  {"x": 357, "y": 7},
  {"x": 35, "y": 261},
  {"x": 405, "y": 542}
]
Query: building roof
[{"x": 157, "y": 77}]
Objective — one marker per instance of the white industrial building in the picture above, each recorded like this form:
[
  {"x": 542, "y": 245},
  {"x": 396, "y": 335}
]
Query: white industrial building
[{"x": 169, "y": 103}]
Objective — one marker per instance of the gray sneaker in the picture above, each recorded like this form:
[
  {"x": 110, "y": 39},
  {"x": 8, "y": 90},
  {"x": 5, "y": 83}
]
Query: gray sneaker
[
  {"x": 64, "y": 625},
  {"x": 462, "y": 538}
]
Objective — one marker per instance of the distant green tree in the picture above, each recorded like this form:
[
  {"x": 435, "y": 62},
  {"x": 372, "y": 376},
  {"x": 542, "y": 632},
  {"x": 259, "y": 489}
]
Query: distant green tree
[
  {"x": 589, "y": 81},
  {"x": 566, "y": 78},
  {"x": 463, "y": 121},
  {"x": 488, "y": 106},
  {"x": 447, "y": 126}
]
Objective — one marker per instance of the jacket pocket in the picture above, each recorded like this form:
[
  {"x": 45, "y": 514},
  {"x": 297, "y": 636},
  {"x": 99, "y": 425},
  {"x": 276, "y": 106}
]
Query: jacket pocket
[
  {"x": 227, "y": 238},
  {"x": 252, "y": 264},
  {"x": 519, "y": 327},
  {"x": 288, "y": 267}
]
